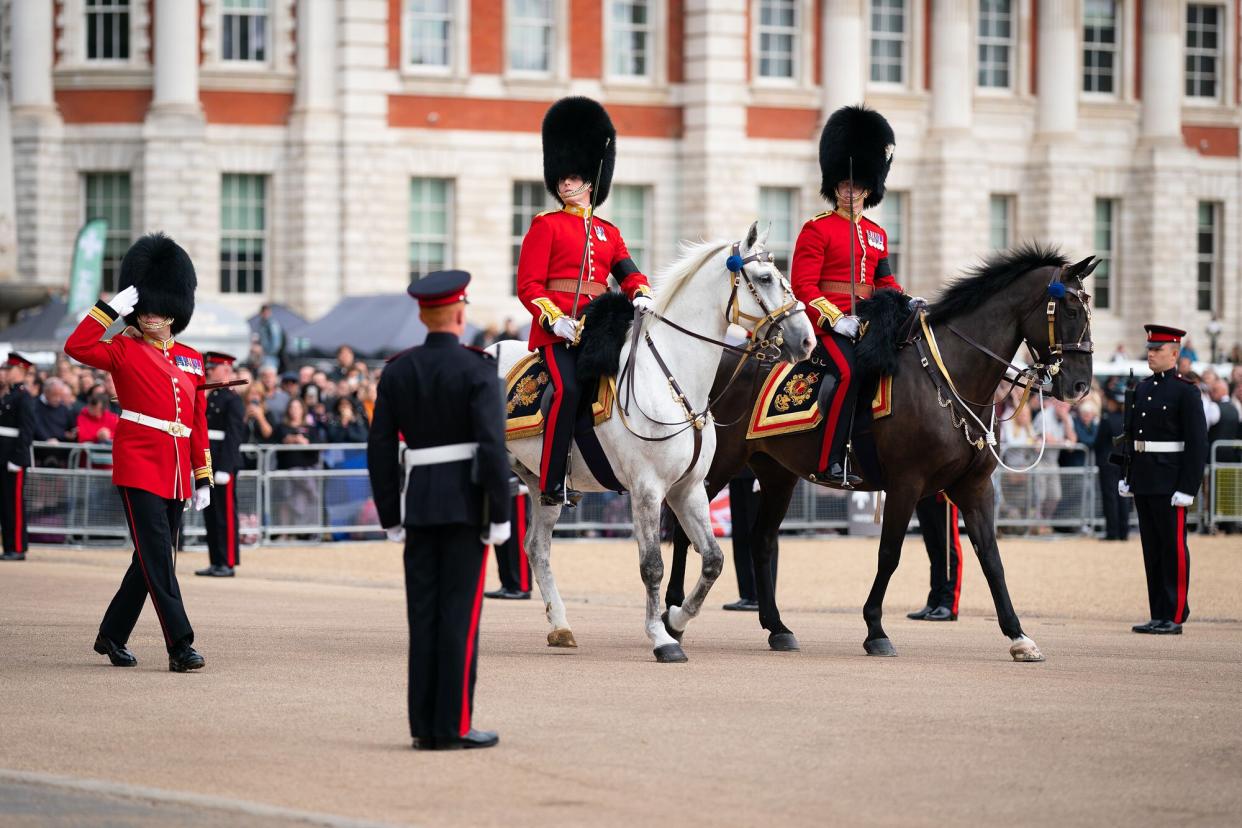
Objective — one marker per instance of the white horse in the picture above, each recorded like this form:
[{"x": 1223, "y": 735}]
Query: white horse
[{"x": 699, "y": 293}]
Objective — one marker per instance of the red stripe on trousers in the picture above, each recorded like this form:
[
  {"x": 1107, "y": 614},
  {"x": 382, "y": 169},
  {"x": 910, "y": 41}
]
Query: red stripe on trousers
[
  {"x": 17, "y": 511},
  {"x": 549, "y": 427},
  {"x": 228, "y": 515},
  {"x": 957, "y": 553},
  {"x": 523, "y": 561},
  {"x": 838, "y": 398},
  {"x": 133, "y": 528},
  {"x": 1181, "y": 564},
  {"x": 470, "y": 640}
]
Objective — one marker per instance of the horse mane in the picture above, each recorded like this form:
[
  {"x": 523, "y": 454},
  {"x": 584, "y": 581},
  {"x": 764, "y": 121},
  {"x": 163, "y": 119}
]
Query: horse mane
[
  {"x": 995, "y": 274},
  {"x": 669, "y": 281}
]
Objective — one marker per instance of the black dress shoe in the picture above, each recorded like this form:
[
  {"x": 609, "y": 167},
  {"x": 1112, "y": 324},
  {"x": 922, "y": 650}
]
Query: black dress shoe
[
  {"x": 920, "y": 614},
  {"x": 836, "y": 474},
  {"x": 424, "y": 743},
  {"x": 1144, "y": 628},
  {"x": 560, "y": 496},
  {"x": 1166, "y": 628},
  {"x": 13, "y": 556},
  {"x": 116, "y": 653},
  {"x": 743, "y": 605},
  {"x": 508, "y": 594},
  {"x": 941, "y": 614},
  {"x": 184, "y": 658},
  {"x": 473, "y": 739},
  {"x": 214, "y": 571}
]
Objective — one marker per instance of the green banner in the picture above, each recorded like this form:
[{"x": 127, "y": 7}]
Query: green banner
[{"x": 86, "y": 278}]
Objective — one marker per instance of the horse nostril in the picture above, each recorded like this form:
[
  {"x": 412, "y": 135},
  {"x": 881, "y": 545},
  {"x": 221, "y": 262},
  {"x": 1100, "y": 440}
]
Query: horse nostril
[{"x": 808, "y": 344}]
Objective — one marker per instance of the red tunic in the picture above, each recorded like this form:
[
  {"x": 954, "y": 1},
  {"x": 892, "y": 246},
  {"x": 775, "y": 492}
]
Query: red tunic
[
  {"x": 158, "y": 382},
  {"x": 822, "y": 254},
  {"x": 552, "y": 250}
]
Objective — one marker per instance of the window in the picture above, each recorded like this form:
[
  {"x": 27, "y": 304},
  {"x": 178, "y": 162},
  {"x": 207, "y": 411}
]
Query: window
[
  {"x": 892, "y": 217},
  {"x": 996, "y": 42},
  {"x": 107, "y": 29},
  {"x": 530, "y": 24},
  {"x": 1106, "y": 214},
  {"x": 888, "y": 41},
  {"x": 243, "y": 232},
  {"x": 1099, "y": 46},
  {"x": 778, "y": 38},
  {"x": 529, "y": 200},
  {"x": 1208, "y": 255},
  {"x": 628, "y": 208},
  {"x": 1000, "y": 222},
  {"x": 244, "y": 29},
  {"x": 779, "y": 207},
  {"x": 431, "y": 212},
  {"x": 1203, "y": 50},
  {"x": 429, "y": 32},
  {"x": 108, "y": 197},
  {"x": 629, "y": 38}
]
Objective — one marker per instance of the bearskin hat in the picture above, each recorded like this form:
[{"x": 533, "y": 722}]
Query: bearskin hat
[
  {"x": 164, "y": 275},
  {"x": 577, "y": 132},
  {"x": 864, "y": 134}
]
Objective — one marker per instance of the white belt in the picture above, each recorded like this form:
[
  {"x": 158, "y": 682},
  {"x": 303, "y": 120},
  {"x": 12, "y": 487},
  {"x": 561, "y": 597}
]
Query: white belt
[
  {"x": 9, "y": 431},
  {"x": 215, "y": 434},
  {"x": 435, "y": 455},
  {"x": 168, "y": 426},
  {"x": 1157, "y": 446}
]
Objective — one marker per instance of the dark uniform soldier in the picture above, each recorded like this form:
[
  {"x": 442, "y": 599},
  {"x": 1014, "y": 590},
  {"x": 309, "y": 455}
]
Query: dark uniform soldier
[
  {"x": 1167, "y": 431},
  {"x": 226, "y": 428},
  {"x": 17, "y": 422},
  {"x": 447, "y": 497},
  {"x": 512, "y": 565},
  {"x": 160, "y": 453},
  {"x": 1116, "y": 508},
  {"x": 938, "y": 519},
  {"x": 577, "y": 134}
]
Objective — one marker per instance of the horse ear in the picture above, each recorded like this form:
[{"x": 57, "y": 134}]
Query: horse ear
[
  {"x": 1090, "y": 268},
  {"x": 752, "y": 235},
  {"x": 762, "y": 241},
  {"x": 1078, "y": 268}
]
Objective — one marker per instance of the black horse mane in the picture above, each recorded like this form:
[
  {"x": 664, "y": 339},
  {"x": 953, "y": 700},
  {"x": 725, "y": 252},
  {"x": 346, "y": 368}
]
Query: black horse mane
[{"x": 997, "y": 273}]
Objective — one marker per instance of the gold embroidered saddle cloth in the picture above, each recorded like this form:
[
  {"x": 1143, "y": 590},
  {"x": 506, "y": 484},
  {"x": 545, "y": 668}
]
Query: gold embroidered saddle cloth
[
  {"x": 525, "y": 387},
  {"x": 790, "y": 399}
]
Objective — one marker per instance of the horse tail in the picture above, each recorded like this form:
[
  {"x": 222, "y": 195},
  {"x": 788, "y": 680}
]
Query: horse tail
[{"x": 886, "y": 314}]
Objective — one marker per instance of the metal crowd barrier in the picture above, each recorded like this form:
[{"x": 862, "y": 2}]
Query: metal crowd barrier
[{"x": 1224, "y": 486}]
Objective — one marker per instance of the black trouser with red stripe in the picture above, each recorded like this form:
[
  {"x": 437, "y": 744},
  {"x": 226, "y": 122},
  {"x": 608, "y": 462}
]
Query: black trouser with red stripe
[
  {"x": 444, "y": 571},
  {"x": 512, "y": 565},
  {"x": 154, "y": 524},
  {"x": 13, "y": 510},
  {"x": 220, "y": 518},
  {"x": 837, "y": 419},
  {"x": 743, "y": 510},
  {"x": 558, "y": 435},
  {"x": 943, "y": 540},
  {"x": 1165, "y": 556}
]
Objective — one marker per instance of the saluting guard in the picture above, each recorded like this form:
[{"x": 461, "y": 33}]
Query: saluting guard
[
  {"x": 1166, "y": 446},
  {"x": 565, "y": 260},
  {"x": 841, "y": 256},
  {"x": 17, "y": 421},
  {"x": 160, "y": 454},
  {"x": 447, "y": 497},
  {"x": 226, "y": 429}
]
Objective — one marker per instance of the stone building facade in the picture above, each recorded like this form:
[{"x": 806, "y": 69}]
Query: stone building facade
[{"x": 307, "y": 149}]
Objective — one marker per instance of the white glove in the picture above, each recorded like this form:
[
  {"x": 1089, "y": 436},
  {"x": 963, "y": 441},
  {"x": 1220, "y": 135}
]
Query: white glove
[
  {"x": 222, "y": 478},
  {"x": 124, "y": 301},
  {"x": 13, "y": 467},
  {"x": 1123, "y": 488},
  {"x": 643, "y": 303},
  {"x": 497, "y": 534},
  {"x": 396, "y": 534},
  {"x": 1182, "y": 499},
  {"x": 916, "y": 300},
  {"x": 202, "y": 497},
  {"x": 847, "y": 326},
  {"x": 565, "y": 328}
]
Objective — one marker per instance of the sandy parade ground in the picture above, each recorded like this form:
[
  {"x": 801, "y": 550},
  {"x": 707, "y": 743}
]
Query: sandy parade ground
[{"x": 299, "y": 716}]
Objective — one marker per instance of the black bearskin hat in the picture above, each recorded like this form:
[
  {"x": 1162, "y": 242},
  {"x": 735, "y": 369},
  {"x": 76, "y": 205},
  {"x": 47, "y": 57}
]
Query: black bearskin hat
[
  {"x": 577, "y": 132},
  {"x": 864, "y": 134},
  {"x": 164, "y": 276}
]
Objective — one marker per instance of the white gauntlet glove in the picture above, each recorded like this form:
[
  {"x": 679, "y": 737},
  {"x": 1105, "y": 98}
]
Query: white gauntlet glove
[
  {"x": 124, "y": 302},
  {"x": 847, "y": 326},
  {"x": 1123, "y": 488},
  {"x": 1182, "y": 499},
  {"x": 202, "y": 498},
  {"x": 565, "y": 328},
  {"x": 222, "y": 478},
  {"x": 916, "y": 300},
  {"x": 497, "y": 533},
  {"x": 396, "y": 534},
  {"x": 13, "y": 467},
  {"x": 643, "y": 303}
]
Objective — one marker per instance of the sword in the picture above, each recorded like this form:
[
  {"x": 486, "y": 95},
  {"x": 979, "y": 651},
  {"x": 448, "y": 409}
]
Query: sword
[
  {"x": 586, "y": 245},
  {"x": 849, "y": 435},
  {"x": 208, "y": 386}
]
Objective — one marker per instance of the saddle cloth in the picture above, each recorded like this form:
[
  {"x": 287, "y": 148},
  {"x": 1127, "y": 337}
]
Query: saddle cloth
[
  {"x": 789, "y": 401},
  {"x": 525, "y": 387}
]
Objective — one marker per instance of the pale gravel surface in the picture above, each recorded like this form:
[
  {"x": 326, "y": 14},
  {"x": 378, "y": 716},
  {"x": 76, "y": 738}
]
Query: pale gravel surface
[{"x": 302, "y": 702}]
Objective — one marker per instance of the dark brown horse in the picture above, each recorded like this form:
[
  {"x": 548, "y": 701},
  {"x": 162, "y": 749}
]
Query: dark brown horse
[{"x": 929, "y": 443}]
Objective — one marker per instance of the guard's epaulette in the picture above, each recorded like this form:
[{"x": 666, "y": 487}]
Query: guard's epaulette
[
  {"x": 546, "y": 213},
  {"x": 1187, "y": 380},
  {"x": 819, "y": 216},
  {"x": 478, "y": 351},
  {"x": 398, "y": 355}
]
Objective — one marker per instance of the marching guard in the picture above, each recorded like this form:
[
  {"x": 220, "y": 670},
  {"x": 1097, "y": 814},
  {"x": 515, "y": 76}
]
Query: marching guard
[
  {"x": 160, "y": 453},
  {"x": 446, "y": 497},
  {"x": 1166, "y": 446},
  {"x": 226, "y": 429},
  {"x": 837, "y": 246},
  {"x": 17, "y": 420},
  {"x": 579, "y": 148}
]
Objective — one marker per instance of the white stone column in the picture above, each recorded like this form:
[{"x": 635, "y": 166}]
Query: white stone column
[
  {"x": 1164, "y": 23},
  {"x": 31, "y": 58},
  {"x": 176, "y": 56},
  {"x": 842, "y": 46},
  {"x": 317, "y": 64},
  {"x": 952, "y": 83},
  {"x": 1059, "y": 58}
]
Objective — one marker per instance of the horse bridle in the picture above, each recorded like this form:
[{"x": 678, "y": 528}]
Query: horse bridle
[{"x": 771, "y": 319}]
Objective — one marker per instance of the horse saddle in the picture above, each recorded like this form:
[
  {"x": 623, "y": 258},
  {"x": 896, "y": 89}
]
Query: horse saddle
[{"x": 793, "y": 398}]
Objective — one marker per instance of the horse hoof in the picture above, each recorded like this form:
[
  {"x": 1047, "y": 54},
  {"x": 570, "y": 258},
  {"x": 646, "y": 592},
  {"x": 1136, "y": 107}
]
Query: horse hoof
[
  {"x": 670, "y": 654},
  {"x": 880, "y": 647},
  {"x": 562, "y": 638},
  {"x": 668, "y": 628},
  {"x": 783, "y": 642},
  {"x": 1025, "y": 650}
]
